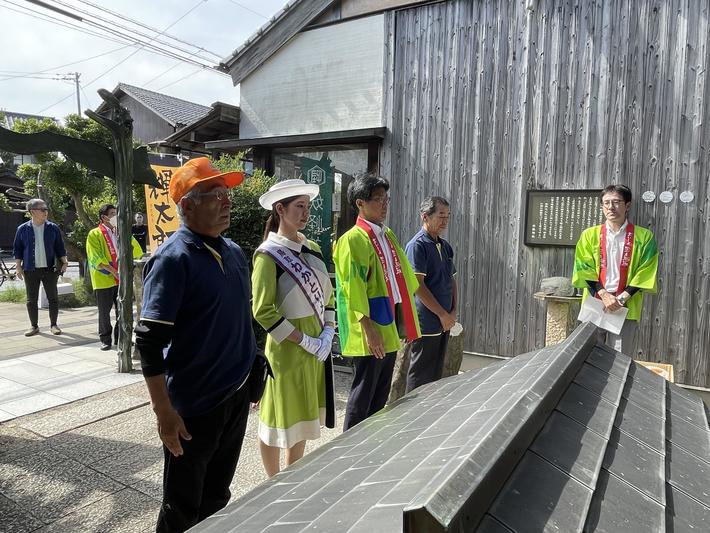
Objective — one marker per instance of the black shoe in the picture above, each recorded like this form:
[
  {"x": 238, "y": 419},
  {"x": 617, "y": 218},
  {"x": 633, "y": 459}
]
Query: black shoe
[
  {"x": 105, "y": 347},
  {"x": 34, "y": 330}
]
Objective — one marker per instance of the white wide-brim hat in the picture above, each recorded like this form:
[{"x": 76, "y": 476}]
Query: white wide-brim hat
[{"x": 287, "y": 189}]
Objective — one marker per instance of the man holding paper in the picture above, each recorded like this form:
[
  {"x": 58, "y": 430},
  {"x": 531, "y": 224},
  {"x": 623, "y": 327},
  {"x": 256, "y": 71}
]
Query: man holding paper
[{"x": 616, "y": 262}]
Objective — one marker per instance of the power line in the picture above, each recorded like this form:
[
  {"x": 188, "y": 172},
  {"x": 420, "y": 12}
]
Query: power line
[
  {"x": 178, "y": 80},
  {"x": 248, "y": 9},
  {"x": 69, "y": 64},
  {"x": 200, "y": 2},
  {"x": 41, "y": 16},
  {"x": 134, "y": 31},
  {"x": 144, "y": 44},
  {"x": 150, "y": 28}
]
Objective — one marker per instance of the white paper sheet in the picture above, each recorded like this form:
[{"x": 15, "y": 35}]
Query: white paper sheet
[{"x": 592, "y": 310}]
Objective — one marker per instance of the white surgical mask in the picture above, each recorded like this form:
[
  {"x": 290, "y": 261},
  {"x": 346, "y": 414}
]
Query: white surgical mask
[{"x": 113, "y": 220}]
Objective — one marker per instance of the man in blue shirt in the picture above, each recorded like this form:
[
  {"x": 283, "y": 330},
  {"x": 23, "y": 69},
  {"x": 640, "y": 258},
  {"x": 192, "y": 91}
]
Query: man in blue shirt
[
  {"x": 197, "y": 347},
  {"x": 38, "y": 247},
  {"x": 433, "y": 261}
]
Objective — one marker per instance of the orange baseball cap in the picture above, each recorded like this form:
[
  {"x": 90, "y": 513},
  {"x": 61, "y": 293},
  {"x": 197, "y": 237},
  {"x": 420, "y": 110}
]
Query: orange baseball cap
[{"x": 199, "y": 170}]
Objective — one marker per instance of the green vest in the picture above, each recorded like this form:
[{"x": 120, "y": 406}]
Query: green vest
[
  {"x": 642, "y": 268},
  {"x": 361, "y": 290}
]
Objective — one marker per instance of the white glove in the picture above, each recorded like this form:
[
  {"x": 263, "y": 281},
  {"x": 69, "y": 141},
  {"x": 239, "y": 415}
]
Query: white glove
[
  {"x": 310, "y": 344},
  {"x": 326, "y": 343}
]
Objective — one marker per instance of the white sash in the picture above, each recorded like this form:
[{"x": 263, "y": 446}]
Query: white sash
[{"x": 305, "y": 278}]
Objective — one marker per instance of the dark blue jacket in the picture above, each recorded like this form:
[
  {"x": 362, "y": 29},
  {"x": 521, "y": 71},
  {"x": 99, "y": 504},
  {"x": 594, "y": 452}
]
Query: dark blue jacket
[{"x": 24, "y": 246}]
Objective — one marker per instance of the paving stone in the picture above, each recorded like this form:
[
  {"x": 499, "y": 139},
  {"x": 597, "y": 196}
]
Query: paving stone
[
  {"x": 53, "y": 486},
  {"x": 16, "y": 519},
  {"x": 125, "y": 511}
]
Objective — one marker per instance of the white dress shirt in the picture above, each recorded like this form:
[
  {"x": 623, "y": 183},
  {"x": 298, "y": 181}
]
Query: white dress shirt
[{"x": 614, "y": 253}]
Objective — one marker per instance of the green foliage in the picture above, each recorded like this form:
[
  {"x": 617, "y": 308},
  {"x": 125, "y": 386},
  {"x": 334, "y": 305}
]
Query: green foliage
[
  {"x": 72, "y": 192},
  {"x": 13, "y": 294},
  {"x": 247, "y": 216},
  {"x": 82, "y": 296}
]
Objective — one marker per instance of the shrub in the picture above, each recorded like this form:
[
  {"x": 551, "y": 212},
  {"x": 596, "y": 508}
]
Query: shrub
[{"x": 13, "y": 294}]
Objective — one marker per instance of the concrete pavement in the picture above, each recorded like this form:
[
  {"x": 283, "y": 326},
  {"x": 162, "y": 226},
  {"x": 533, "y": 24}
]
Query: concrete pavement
[{"x": 79, "y": 450}]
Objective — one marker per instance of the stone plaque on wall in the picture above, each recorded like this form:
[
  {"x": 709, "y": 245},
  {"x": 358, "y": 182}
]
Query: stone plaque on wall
[{"x": 558, "y": 217}]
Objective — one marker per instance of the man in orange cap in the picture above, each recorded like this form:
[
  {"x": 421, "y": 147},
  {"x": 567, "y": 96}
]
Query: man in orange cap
[{"x": 197, "y": 347}]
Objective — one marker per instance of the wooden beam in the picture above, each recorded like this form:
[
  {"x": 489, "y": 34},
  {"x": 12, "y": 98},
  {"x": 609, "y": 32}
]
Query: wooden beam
[{"x": 308, "y": 139}]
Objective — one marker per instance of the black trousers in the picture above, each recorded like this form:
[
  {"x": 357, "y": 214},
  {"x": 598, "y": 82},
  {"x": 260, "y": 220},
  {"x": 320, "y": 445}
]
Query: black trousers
[
  {"x": 427, "y": 360},
  {"x": 196, "y": 484},
  {"x": 48, "y": 278},
  {"x": 370, "y": 388},
  {"x": 105, "y": 300}
]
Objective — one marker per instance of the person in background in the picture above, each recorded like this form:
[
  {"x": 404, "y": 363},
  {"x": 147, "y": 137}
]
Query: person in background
[
  {"x": 38, "y": 247},
  {"x": 102, "y": 256},
  {"x": 432, "y": 259},
  {"x": 197, "y": 347},
  {"x": 375, "y": 293},
  {"x": 617, "y": 262},
  {"x": 140, "y": 231},
  {"x": 293, "y": 301}
]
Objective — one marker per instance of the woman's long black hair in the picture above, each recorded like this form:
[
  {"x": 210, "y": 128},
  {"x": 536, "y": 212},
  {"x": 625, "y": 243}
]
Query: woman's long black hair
[{"x": 272, "y": 223}]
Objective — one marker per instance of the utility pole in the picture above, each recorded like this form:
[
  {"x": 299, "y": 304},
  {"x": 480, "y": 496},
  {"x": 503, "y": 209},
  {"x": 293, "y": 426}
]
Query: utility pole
[{"x": 78, "y": 99}]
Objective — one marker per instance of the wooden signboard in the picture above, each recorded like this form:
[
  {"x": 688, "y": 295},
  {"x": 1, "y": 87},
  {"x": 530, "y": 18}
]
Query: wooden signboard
[
  {"x": 163, "y": 220},
  {"x": 558, "y": 217}
]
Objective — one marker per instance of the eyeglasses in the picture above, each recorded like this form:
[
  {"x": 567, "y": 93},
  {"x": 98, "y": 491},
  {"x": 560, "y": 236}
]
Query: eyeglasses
[
  {"x": 380, "y": 199},
  {"x": 610, "y": 203},
  {"x": 220, "y": 194},
  {"x": 43, "y": 209}
]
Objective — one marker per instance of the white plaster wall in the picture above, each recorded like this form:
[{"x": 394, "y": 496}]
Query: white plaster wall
[{"x": 325, "y": 79}]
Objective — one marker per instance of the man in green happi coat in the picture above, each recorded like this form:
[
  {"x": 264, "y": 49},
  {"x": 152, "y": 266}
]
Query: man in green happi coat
[{"x": 617, "y": 262}]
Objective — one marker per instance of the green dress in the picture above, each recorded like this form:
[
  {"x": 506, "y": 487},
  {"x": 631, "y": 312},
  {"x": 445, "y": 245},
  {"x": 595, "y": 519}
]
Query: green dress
[{"x": 292, "y": 408}]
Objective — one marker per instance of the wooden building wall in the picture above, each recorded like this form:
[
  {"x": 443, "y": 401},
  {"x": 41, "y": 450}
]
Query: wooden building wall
[{"x": 487, "y": 99}]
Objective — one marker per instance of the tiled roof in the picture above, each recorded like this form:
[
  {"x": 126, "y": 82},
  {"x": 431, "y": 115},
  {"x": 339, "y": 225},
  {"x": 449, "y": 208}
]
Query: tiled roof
[
  {"x": 175, "y": 111},
  {"x": 11, "y": 118},
  {"x": 569, "y": 438}
]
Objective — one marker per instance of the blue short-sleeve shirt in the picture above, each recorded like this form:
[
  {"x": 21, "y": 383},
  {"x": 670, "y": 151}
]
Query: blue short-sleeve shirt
[
  {"x": 435, "y": 260},
  {"x": 213, "y": 344}
]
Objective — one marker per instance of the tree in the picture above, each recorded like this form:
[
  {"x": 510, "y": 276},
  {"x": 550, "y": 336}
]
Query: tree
[
  {"x": 248, "y": 218},
  {"x": 72, "y": 192}
]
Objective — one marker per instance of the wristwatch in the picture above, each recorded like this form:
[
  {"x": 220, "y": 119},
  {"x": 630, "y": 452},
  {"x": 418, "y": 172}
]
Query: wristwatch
[{"x": 621, "y": 300}]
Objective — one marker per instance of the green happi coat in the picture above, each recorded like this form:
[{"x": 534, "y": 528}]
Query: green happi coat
[
  {"x": 361, "y": 290},
  {"x": 642, "y": 268}
]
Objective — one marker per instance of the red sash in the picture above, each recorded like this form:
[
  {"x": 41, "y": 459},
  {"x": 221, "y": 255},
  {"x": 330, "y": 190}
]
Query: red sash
[
  {"x": 111, "y": 248},
  {"x": 410, "y": 325},
  {"x": 625, "y": 257}
]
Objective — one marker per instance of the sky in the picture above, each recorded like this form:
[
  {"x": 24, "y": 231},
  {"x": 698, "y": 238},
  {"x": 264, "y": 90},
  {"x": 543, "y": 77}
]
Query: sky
[{"x": 30, "y": 45}]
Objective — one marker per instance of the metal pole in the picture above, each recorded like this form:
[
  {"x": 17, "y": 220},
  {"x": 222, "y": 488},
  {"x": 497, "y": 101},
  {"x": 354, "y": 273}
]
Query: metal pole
[{"x": 78, "y": 99}]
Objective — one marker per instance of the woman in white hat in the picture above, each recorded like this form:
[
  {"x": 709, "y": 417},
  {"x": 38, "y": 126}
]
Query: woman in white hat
[{"x": 293, "y": 302}]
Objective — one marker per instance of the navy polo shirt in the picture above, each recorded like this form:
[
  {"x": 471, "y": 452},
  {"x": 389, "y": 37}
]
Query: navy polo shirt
[
  {"x": 213, "y": 344},
  {"x": 434, "y": 259}
]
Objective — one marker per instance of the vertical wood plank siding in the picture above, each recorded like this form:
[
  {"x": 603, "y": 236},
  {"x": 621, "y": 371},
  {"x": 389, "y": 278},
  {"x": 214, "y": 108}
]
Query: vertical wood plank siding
[{"x": 486, "y": 99}]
